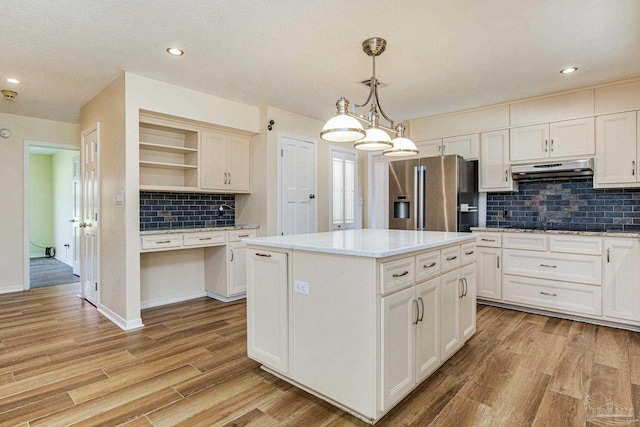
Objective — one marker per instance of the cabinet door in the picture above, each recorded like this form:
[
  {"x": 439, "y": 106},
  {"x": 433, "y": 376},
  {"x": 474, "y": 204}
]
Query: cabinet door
[
  {"x": 616, "y": 149},
  {"x": 451, "y": 289},
  {"x": 467, "y": 146},
  {"x": 237, "y": 268},
  {"x": 489, "y": 280},
  {"x": 621, "y": 286},
  {"x": 428, "y": 329},
  {"x": 530, "y": 143},
  {"x": 430, "y": 148},
  {"x": 213, "y": 161},
  {"x": 239, "y": 163},
  {"x": 494, "y": 162},
  {"x": 399, "y": 315},
  {"x": 468, "y": 302},
  {"x": 267, "y": 308},
  {"x": 572, "y": 138}
]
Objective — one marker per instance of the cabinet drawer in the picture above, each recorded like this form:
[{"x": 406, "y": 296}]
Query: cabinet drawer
[
  {"x": 238, "y": 235},
  {"x": 161, "y": 241},
  {"x": 556, "y": 296},
  {"x": 576, "y": 245},
  {"x": 467, "y": 253},
  {"x": 491, "y": 240},
  {"x": 558, "y": 266},
  {"x": 450, "y": 258},
  {"x": 427, "y": 265},
  {"x": 205, "y": 239},
  {"x": 398, "y": 274},
  {"x": 529, "y": 241}
]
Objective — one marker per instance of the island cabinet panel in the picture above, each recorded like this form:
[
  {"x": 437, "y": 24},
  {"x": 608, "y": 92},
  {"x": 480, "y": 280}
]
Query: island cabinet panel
[
  {"x": 333, "y": 313},
  {"x": 428, "y": 352},
  {"x": 268, "y": 321},
  {"x": 468, "y": 302},
  {"x": 451, "y": 294}
]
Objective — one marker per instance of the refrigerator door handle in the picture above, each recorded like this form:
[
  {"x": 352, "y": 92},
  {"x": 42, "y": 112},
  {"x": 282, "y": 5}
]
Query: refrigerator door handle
[
  {"x": 421, "y": 201},
  {"x": 416, "y": 202}
]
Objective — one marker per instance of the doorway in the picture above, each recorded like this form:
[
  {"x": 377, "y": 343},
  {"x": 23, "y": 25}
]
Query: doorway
[{"x": 50, "y": 200}]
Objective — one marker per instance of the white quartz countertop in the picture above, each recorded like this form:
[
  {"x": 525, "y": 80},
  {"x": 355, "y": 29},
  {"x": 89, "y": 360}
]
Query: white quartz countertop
[
  {"x": 199, "y": 230},
  {"x": 630, "y": 234},
  {"x": 373, "y": 243}
]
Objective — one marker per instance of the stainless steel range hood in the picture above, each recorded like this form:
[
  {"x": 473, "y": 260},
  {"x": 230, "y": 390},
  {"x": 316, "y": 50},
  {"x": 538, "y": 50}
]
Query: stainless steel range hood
[{"x": 561, "y": 169}]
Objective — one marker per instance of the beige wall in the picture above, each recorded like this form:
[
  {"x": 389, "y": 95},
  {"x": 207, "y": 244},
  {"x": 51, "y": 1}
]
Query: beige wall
[
  {"x": 108, "y": 109},
  {"x": 12, "y": 187}
]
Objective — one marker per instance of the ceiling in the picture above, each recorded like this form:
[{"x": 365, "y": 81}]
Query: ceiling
[{"x": 301, "y": 56}]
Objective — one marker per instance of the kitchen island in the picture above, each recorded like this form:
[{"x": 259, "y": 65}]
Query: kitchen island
[{"x": 359, "y": 318}]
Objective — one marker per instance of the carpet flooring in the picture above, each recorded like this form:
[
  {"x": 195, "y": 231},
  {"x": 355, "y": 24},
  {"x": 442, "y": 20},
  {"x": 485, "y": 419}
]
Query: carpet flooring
[{"x": 49, "y": 272}]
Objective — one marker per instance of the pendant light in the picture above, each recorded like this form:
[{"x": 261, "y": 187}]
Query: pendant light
[{"x": 345, "y": 125}]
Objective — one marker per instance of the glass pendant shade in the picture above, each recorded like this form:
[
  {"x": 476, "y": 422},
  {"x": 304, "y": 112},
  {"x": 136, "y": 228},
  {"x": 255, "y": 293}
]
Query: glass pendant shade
[
  {"x": 401, "y": 147},
  {"x": 342, "y": 128},
  {"x": 375, "y": 140}
]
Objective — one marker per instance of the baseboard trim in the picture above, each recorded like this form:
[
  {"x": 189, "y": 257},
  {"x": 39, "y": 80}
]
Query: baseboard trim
[
  {"x": 165, "y": 301},
  {"x": 10, "y": 289},
  {"x": 64, "y": 261},
  {"x": 225, "y": 299},
  {"x": 125, "y": 325}
]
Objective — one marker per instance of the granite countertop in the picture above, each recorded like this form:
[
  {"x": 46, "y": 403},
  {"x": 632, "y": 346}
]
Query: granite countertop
[
  {"x": 374, "y": 243},
  {"x": 199, "y": 230},
  {"x": 612, "y": 233}
]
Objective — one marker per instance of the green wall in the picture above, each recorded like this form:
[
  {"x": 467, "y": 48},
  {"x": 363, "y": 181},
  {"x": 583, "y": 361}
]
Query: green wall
[{"x": 41, "y": 231}]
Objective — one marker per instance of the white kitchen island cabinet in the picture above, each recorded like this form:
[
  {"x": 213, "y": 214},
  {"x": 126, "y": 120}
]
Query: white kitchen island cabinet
[{"x": 356, "y": 317}]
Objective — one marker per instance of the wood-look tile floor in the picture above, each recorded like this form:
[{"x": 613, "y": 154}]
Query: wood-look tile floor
[{"x": 61, "y": 363}]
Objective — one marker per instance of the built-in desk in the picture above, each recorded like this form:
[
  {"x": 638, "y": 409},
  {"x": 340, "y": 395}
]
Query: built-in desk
[{"x": 177, "y": 265}]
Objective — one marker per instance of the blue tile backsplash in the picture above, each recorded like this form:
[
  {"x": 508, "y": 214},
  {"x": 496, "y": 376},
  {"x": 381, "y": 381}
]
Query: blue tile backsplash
[
  {"x": 565, "y": 205},
  {"x": 173, "y": 211}
]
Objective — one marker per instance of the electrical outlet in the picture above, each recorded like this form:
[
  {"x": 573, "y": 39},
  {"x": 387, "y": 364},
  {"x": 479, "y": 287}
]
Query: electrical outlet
[{"x": 301, "y": 287}]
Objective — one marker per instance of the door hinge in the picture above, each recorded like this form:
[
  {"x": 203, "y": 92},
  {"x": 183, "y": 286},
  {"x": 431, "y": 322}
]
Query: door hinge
[
  {"x": 96, "y": 286},
  {"x": 96, "y": 216},
  {"x": 96, "y": 147},
  {"x": 282, "y": 152}
]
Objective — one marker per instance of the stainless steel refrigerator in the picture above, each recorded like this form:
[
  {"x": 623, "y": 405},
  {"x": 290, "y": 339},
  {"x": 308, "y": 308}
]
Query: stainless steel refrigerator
[{"x": 434, "y": 194}]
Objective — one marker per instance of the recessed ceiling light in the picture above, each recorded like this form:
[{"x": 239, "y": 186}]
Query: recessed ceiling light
[
  {"x": 569, "y": 70},
  {"x": 16, "y": 81},
  {"x": 175, "y": 51}
]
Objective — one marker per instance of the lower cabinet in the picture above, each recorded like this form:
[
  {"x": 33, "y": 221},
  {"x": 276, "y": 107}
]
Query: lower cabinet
[
  {"x": 267, "y": 308},
  {"x": 468, "y": 302},
  {"x": 410, "y": 339},
  {"x": 489, "y": 273},
  {"x": 451, "y": 292},
  {"x": 622, "y": 280}
]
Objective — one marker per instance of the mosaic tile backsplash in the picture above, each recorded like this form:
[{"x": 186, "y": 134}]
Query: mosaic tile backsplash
[
  {"x": 173, "y": 211},
  {"x": 565, "y": 205}
]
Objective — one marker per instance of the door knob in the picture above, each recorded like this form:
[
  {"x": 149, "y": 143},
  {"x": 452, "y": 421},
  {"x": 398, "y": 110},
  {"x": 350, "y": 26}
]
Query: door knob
[{"x": 312, "y": 196}]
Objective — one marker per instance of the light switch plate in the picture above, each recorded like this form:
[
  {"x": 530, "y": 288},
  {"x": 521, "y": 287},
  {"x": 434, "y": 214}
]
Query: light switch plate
[{"x": 301, "y": 287}]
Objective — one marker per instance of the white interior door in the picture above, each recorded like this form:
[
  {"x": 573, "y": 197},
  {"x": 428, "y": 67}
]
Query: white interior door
[
  {"x": 89, "y": 272},
  {"x": 297, "y": 186}
]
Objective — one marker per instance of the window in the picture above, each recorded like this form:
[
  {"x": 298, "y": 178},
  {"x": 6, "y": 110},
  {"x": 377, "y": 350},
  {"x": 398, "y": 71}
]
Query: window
[{"x": 343, "y": 189}]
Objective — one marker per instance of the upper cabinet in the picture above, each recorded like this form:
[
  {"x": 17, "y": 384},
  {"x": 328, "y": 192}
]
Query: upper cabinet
[
  {"x": 226, "y": 162},
  {"x": 495, "y": 170},
  {"x": 429, "y": 148},
  {"x": 467, "y": 146},
  {"x": 616, "y": 150},
  {"x": 570, "y": 138},
  {"x": 177, "y": 155},
  {"x": 168, "y": 158}
]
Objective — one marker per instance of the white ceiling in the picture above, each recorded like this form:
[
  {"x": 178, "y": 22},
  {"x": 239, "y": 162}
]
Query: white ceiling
[{"x": 302, "y": 56}]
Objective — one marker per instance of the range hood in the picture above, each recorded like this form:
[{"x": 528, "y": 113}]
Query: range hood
[{"x": 562, "y": 169}]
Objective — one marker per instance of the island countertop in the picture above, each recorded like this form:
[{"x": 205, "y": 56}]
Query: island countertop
[{"x": 374, "y": 243}]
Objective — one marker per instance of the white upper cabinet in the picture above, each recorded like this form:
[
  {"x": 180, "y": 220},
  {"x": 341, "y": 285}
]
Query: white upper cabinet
[
  {"x": 495, "y": 171},
  {"x": 616, "y": 150},
  {"x": 429, "y": 148},
  {"x": 570, "y": 138},
  {"x": 467, "y": 146},
  {"x": 225, "y": 161}
]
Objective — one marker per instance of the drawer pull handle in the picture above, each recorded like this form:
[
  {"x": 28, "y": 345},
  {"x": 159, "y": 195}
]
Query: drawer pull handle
[
  {"x": 433, "y": 264},
  {"x": 549, "y": 294},
  {"x": 401, "y": 274},
  {"x": 243, "y": 235},
  {"x": 469, "y": 253},
  {"x": 162, "y": 242},
  {"x": 204, "y": 238},
  {"x": 548, "y": 266},
  {"x": 488, "y": 240},
  {"x": 264, "y": 255},
  {"x": 451, "y": 258}
]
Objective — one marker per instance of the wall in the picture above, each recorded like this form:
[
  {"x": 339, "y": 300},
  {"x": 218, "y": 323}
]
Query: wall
[
  {"x": 565, "y": 205},
  {"x": 12, "y": 187},
  {"x": 62, "y": 163},
  {"x": 41, "y": 234},
  {"x": 261, "y": 207}
]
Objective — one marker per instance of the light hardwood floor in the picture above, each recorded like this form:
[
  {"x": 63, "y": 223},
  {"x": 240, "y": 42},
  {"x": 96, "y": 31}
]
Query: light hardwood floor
[{"x": 62, "y": 364}]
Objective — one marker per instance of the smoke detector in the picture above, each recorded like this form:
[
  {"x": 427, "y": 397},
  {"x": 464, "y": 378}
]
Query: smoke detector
[{"x": 9, "y": 95}]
